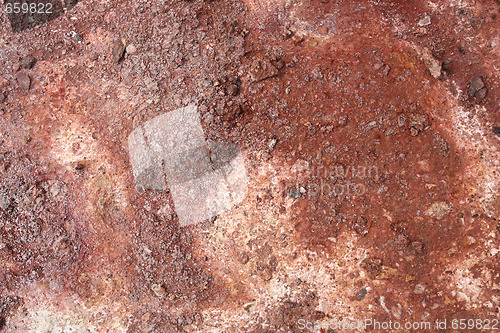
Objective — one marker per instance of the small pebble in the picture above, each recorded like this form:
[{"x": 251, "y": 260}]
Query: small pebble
[
  {"x": 294, "y": 193},
  {"x": 131, "y": 49},
  {"x": 4, "y": 202},
  {"x": 265, "y": 274},
  {"x": 419, "y": 289},
  {"x": 362, "y": 293},
  {"x": 425, "y": 21}
]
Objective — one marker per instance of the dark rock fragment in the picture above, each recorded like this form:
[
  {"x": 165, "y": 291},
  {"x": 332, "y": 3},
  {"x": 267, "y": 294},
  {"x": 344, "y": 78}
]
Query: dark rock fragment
[
  {"x": 70, "y": 3},
  {"x": 117, "y": 50},
  {"x": 232, "y": 89},
  {"x": 362, "y": 293},
  {"x": 261, "y": 70},
  {"x": 23, "y": 81},
  {"x": 477, "y": 88},
  {"x": 294, "y": 193},
  {"x": 481, "y": 94},
  {"x": 264, "y": 272},
  {"x": 27, "y": 62},
  {"x": 441, "y": 145},
  {"x": 373, "y": 266},
  {"x": 418, "y": 122},
  {"x": 360, "y": 226},
  {"x": 475, "y": 84}
]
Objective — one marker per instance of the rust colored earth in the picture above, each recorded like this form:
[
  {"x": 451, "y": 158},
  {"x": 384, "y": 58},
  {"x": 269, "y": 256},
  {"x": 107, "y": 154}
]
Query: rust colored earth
[{"x": 370, "y": 133}]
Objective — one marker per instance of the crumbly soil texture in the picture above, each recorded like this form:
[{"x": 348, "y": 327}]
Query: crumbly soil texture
[{"x": 370, "y": 132}]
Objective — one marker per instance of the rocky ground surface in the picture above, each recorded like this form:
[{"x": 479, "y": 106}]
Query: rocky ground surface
[{"x": 370, "y": 131}]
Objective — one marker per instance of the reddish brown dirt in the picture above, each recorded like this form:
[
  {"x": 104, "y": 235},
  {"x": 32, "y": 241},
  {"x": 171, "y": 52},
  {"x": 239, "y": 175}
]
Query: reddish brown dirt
[{"x": 373, "y": 185}]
